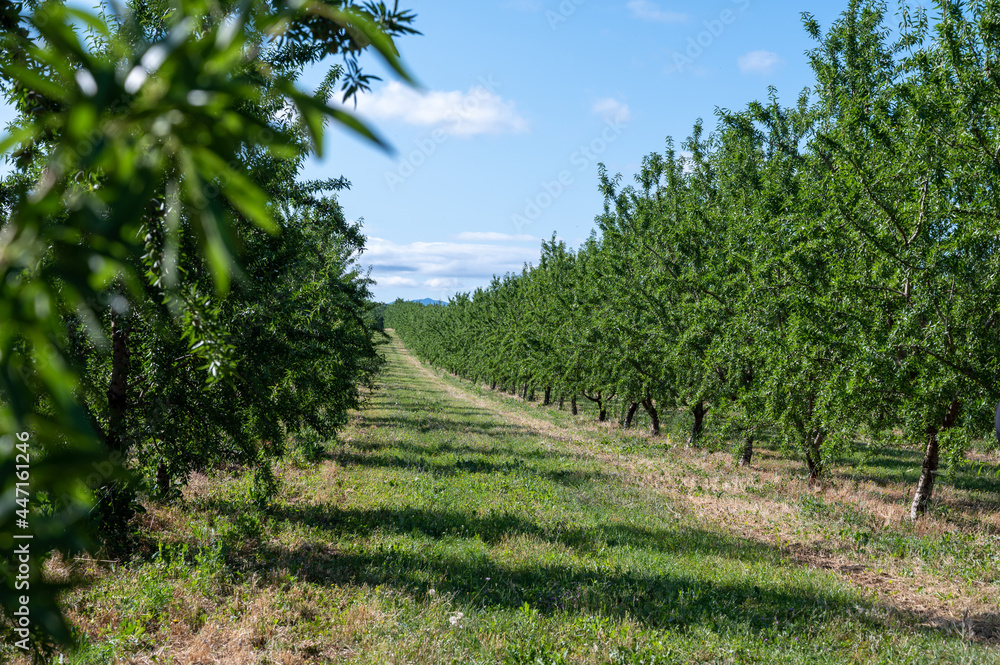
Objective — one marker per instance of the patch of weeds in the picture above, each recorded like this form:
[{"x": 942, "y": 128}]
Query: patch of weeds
[
  {"x": 858, "y": 539},
  {"x": 537, "y": 653},
  {"x": 308, "y": 448},
  {"x": 812, "y": 506},
  {"x": 644, "y": 654}
]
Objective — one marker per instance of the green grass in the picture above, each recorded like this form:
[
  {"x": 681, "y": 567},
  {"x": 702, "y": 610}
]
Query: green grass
[{"x": 450, "y": 530}]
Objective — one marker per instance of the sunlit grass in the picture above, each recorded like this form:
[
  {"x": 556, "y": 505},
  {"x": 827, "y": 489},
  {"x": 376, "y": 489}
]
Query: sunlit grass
[{"x": 451, "y": 530}]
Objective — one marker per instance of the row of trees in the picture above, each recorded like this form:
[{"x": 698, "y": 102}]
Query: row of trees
[
  {"x": 829, "y": 270},
  {"x": 172, "y": 295}
]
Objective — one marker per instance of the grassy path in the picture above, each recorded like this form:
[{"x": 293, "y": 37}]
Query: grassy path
[{"x": 455, "y": 526}]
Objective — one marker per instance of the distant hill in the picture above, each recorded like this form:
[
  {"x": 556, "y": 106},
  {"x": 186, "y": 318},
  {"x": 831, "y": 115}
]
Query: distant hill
[{"x": 431, "y": 301}]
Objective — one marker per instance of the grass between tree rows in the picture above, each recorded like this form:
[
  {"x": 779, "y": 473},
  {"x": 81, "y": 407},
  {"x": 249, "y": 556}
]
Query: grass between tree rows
[{"x": 455, "y": 525}]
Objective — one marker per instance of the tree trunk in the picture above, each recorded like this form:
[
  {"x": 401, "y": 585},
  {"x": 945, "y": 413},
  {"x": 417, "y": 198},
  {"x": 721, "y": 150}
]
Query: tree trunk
[
  {"x": 698, "y": 412},
  {"x": 630, "y": 414},
  {"x": 162, "y": 479},
  {"x": 531, "y": 395},
  {"x": 815, "y": 468},
  {"x": 925, "y": 486},
  {"x": 524, "y": 393},
  {"x": 814, "y": 458},
  {"x": 932, "y": 455},
  {"x": 116, "y": 498},
  {"x": 602, "y": 411},
  {"x": 747, "y": 454},
  {"x": 653, "y": 416},
  {"x": 118, "y": 388},
  {"x": 493, "y": 385},
  {"x": 573, "y": 405},
  {"x": 562, "y": 398},
  {"x": 548, "y": 396}
]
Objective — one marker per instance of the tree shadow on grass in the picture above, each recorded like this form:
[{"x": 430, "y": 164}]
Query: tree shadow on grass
[
  {"x": 661, "y": 600},
  {"x": 493, "y": 527},
  {"x": 654, "y": 593},
  {"x": 438, "y": 465},
  {"x": 885, "y": 465},
  {"x": 466, "y": 465},
  {"x": 425, "y": 424},
  {"x": 891, "y": 466},
  {"x": 987, "y": 482},
  {"x": 446, "y": 448},
  {"x": 414, "y": 406}
]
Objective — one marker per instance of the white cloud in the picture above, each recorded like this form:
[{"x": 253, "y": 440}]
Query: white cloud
[
  {"x": 443, "y": 265},
  {"x": 759, "y": 62},
  {"x": 396, "y": 280},
  {"x": 443, "y": 283},
  {"x": 612, "y": 110},
  {"x": 650, "y": 11},
  {"x": 478, "y": 111},
  {"x": 480, "y": 236}
]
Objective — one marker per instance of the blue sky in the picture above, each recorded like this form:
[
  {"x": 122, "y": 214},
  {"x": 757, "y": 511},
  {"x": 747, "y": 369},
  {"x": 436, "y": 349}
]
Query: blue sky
[{"x": 521, "y": 100}]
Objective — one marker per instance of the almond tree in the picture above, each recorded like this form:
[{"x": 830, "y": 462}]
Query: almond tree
[
  {"x": 778, "y": 357},
  {"x": 910, "y": 148},
  {"x": 132, "y": 191}
]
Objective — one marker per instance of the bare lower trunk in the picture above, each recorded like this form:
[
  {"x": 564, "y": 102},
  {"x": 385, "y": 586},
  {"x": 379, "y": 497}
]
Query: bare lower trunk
[
  {"x": 932, "y": 456},
  {"x": 654, "y": 417},
  {"x": 493, "y": 385},
  {"x": 524, "y": 393},
  {"x": 747, "y": 454},
  {"x": 815, "y": 468},
  {"x": 573, "y": 405},
  {"x": 698, "y": 411},
  {"x": 925, "y": 486},
  {"x": 116, "y": 499},
  {"x": 548, "y": 396},
  {"x": 602, "y": 411},
  {"x": 630, "y": 414},
  {"x": 814, "y": 457},
  {"x": 118, "y": 388},
  {"x": 162, "y": 479},
  {"x": 562, "y": 398}
]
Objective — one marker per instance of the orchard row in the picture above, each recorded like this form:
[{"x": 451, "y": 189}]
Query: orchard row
[{"x": 829, "y": 270}]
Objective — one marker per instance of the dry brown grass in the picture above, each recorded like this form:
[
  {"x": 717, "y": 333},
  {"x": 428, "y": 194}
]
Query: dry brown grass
[
  {"x": 728, "y": 503},
  {"x": 256, "y": 622}
]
